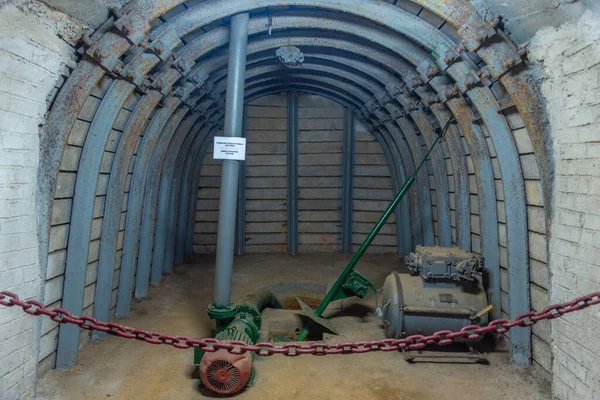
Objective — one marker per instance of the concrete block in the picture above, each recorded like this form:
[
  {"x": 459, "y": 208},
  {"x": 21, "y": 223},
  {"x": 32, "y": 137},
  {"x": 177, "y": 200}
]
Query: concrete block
[
  {"x": 58, "y": 237},
  {"x": 539, "y": 273},
  {"x": 107, "y": 160},
  {"x": 534, "y": 193},
  {"x": 65, "y": 185},
  {"x": 113, "y": 141},
  {"x": 96, "y": 229},
  {"x": 78, "y": 133},
  {"x": 99, "y": 206},
  {"x": 542, "y": 353},
  {"x": 56, "y": 264},
  {"x": 539, "y": 298},
  {"x": 48, "y": 343},
  {"x": 536, "y": 218},
  {"x": 102, "y": 185},
  {"x": 94, "y": 252},
  {"x": 503, "y": 256},
  {"x": 61, "y": 211},
  {"x": 529, "y": 167},
  {"x": 501, "y": 211},
  {"x": 88, "y": 296},
  {"x": 537, "y": 246},
  {"x": 89, "y": 109},
  {"x": 70, "y": 159},
  {"x": 53, "y": 290},
  {"x": 502, "y": 234},
  {"x": 523, "y": 141},
  {"x": 121, "y": 120},
  {"x": 91, "y": 273},
  {"x": 474, "y": 203}
]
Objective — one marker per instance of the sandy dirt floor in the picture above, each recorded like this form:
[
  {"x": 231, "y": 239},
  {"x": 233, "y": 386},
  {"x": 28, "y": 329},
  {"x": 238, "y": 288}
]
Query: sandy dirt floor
[{"x": 116, "y": 368}]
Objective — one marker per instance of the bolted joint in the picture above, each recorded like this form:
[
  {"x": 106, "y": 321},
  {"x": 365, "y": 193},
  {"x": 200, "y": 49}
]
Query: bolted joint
[
  {"x": 164, "y": 44},
  {"x": 116, "y": 12},
  {"x": 86, "y": 40},
  {"x": 395, "y": 112},
  {"x": 430, "y": 100},
  {"x": 133, "y": 27},
  {"x": 427, "y": 70},
  {"x": 383, "y": 98},
  {"x": 393, "y": 90},
  {"x": 222, "y": 313},
  {"x": 183, "y": 65},
  {"x": 361, "y": 114},
  {"x": 101, "y": 55},
  {"x": 198, "y": 77},
  {"x": 414, "y": 82},
  {"x": 451, "y": 56},
  {"x": 467, "y": 82},
  {"x": 372, "y": 105},
  {"x": 476, "y": 32},
  {"x": 448, "y": 93}
]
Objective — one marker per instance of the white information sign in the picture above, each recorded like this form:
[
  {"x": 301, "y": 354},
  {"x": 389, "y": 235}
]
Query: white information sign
[{"x": 229, "y": 148}]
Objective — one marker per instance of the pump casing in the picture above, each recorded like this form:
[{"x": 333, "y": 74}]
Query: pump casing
[{"x": 443, "y": 291}]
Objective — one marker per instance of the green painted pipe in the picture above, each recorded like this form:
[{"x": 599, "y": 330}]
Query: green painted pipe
[{"x": 363, "y": 248}]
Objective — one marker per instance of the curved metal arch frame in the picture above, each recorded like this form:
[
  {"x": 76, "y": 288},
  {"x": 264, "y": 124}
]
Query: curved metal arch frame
[
  {"x": 332, "y": 96},
  {"x": 355, "y": 79},
  {"x": 396, "y": 180},
  {"x": 119, "y": 40}
]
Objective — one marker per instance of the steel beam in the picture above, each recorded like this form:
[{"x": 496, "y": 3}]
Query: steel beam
[
  {"x": 134, "y": 212},
  {"x": 164, "y": 206},
  {"x": 114, "y": 204},
  {"x": 240, "y": 238},
  {"x": 347, "y": 180},
  {"x": 150, "y": 200},
  {"x": 292, "y": 172},
  {"x": 81, "y": 217},
  {"x": 230, "y": 169}
]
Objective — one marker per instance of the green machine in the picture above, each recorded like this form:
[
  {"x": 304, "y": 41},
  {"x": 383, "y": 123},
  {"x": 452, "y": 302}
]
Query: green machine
[{"x": 351, "y": 283}]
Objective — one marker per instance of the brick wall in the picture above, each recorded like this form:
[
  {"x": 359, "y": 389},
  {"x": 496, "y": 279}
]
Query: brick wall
[
  {"x": 31, "y": 58},
  {"x": 570, "y": 59}
]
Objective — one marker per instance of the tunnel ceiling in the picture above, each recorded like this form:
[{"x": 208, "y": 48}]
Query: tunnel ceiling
[{"x": 403, "y": 69}]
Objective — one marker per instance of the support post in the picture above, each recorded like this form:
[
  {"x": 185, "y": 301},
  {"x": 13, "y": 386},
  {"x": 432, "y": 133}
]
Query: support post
[
  {"x": 292, "y": 164},
  {"x": 240, "y": 235},
  {"x": 229, "y": 176},
  {"x": 347, "y": 180}
]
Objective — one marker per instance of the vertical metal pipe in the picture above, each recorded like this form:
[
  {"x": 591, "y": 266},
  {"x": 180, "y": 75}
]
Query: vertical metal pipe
[
  {"x": 348, "y": 180},
  {"x": 238, "y": 45},
  {"x": 292, "y": 164},
  {"x": 240, "y": 236}
]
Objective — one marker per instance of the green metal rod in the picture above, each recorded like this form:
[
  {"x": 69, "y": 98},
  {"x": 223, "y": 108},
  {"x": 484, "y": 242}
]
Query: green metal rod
[{"x": 363, "y": 248}]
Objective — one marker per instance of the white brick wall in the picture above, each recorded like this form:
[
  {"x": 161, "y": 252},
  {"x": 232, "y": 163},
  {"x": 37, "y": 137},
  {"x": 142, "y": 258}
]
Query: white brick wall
[
  {"x": 570, "y": 58},
  {"x": 30, "y": 60}
]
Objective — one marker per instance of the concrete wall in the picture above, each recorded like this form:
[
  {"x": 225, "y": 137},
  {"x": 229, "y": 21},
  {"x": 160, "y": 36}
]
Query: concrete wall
[
  {"x": 570, "y": 58},
  {"x": 32, "y": 59}
]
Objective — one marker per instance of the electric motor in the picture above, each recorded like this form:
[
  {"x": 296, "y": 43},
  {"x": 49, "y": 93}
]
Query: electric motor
[{"x": 443, "y": 291}]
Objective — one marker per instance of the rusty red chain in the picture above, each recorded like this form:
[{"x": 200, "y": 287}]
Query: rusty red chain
[{"x": 210, "y": 345}]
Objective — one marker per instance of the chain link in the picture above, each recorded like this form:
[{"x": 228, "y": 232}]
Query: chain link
[{"x": 265, "y": 349}]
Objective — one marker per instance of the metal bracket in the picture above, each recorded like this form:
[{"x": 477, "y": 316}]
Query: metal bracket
[
  {"x": 164, "y": 44},
  {"x": 198, "y": 77},
  {"x": 469, "y": 80},
  {"x": 183, "y": 65},
  {"x": 132, "y": 26},
  {"x": 427, "y": 70},
  {"x": 476, "y": 32},
  {"x": 163, "y": 81}
]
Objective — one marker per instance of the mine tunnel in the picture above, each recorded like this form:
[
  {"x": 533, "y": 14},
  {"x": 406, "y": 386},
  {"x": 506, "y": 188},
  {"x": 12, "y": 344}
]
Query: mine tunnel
[{"x": 187, "y": 187}]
